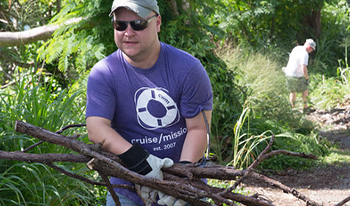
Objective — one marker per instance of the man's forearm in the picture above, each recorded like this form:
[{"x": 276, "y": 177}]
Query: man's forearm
[
  {"x": 194, "y": 146},
  {"x": 196, "y": 138},
  {"x": 306, "y": 75},
  {"x": 99, "y": 130}
]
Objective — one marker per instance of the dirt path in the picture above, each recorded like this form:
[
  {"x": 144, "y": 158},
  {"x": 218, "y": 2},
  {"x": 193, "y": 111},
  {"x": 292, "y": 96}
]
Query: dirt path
[{"x": 327, "y": 186}]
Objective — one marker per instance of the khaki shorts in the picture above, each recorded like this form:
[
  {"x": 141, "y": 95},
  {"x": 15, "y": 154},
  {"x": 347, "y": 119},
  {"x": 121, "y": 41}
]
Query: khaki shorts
[{"x": 296, "y": 84}]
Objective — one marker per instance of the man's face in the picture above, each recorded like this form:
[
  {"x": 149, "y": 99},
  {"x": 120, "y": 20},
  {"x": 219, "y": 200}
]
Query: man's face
[
  {"x": 136, "y": 45},
  {"x": 309, "y": 49}
]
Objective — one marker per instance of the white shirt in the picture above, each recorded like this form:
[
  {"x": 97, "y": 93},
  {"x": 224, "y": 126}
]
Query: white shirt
[{"x": 297, "y": 58}]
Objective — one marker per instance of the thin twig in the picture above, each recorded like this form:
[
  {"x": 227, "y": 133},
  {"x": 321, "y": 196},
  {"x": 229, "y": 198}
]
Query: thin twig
[
  {"x": 253, "y": 165},
  {"x": 70, "y": 126},
  {"x": 33, "y": 145},
  {"x": 75, "y": 176}
]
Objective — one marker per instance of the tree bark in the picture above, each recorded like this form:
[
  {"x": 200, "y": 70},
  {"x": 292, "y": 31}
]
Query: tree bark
[{"x": 312, "y": 23}]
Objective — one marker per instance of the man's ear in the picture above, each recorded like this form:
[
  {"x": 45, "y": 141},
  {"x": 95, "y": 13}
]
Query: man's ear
[{"x": 159, "y": 22}]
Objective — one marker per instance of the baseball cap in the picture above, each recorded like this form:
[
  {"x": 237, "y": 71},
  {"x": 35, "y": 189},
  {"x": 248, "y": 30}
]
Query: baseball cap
[
  {"x": 141, "y": 7},
  {"x": 311, "y": 43}
]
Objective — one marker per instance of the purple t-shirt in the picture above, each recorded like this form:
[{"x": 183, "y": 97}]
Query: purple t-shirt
[{"x": 149, "y": 106}]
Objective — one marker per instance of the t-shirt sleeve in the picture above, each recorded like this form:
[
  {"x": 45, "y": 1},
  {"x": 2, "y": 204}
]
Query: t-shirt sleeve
[
  {"x": 197, "y": 92},
  {"x": 100, "y": 95},
  {"x": 306, "y": 59}
]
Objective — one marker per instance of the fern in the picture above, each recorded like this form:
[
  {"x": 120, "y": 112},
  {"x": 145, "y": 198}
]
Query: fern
[
  {"x": 78, "y": 46},
  {"x": 55, "y": 51}
]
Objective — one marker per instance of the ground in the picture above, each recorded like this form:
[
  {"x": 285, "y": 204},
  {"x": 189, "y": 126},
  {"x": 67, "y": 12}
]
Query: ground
[{"x": 325, "y": 185}]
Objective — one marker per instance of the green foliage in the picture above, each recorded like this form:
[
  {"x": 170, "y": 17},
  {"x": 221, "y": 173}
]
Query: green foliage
[
  {"x": 277, "y": 26},
  {"x": 260, "y": 79},
  {"x": 39, "y": 102},
  {"x": 264, "y": 23},
  {"x": 226, "y": 185},
  {"x": 192, "y": 34},
  {"x": 333, "y": 91},
  {"x": 244, "y": 149},
  {"x": 24, "y": 14},
  {"x": 79, "y": 46},
  {"x": 244, "y": 75},
  {"x": 35, "y": 183},
  {"x": 335, "y": 32},
  {"x": 295, "y": 142},
  {"x": 262, "y": 87},
  {"x": 36, "y": 99},
  {"x": 327, "y": 93},
  {"x": 18, "y": 16}
]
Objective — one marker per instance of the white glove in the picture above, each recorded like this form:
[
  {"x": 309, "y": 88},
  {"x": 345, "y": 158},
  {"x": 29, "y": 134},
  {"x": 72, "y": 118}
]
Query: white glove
[
  {"x": 170, "y": 201},
  {"x": 139, "y": 160},
  {"x": 157, "y": 164},
  {"x": 147, "y": 194}
]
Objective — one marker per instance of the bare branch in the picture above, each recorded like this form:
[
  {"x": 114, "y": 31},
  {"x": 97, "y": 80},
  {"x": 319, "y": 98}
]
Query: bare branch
[
  {"x": 343, "y": 201},
  {"x": 8, "y": 39},
  {"x": 284, "y": 188},
  {"x": 43, "y": 158},
  {"x": 191, "y": 190}
]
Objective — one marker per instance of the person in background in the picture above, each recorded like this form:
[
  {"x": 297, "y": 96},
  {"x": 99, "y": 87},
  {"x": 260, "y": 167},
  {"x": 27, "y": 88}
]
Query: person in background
[
  {"x": 149, "y": 102},
  {"x": 297, "y": 74}
]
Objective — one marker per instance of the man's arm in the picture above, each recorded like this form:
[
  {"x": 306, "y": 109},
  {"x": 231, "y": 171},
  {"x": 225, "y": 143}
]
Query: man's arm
[
  {"x": 134, "y": 156},
  {"x": 196, "y": 138},
  {"x": 305, "y": 73},
  {"x": 100, "y": 129}
]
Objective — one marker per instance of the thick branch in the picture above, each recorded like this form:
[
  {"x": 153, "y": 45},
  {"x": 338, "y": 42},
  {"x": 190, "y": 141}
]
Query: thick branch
[
  {"x": 8, "y": 39},
  {"x": 43, "y": 158},
  {"x": 190, "y": 191},
  {"x": 118, "y": 170}
]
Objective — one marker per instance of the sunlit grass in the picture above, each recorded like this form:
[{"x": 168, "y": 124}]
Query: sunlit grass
[
  {"x": 337, "y": 156},
  {"x": 226, "y": 185},
  {"x": 266, "y": 110},
  {"x": 329, "y": 93}
]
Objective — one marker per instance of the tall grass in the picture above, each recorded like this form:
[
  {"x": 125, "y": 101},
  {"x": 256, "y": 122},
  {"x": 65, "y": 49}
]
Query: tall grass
[
  {"x": 265, "y": 110},
  {"x": 333, "y": 92},
  {"x": 38, "y": 100},
  {"x": 244, "y": 146},
  {"x": 261, "y": 79}
]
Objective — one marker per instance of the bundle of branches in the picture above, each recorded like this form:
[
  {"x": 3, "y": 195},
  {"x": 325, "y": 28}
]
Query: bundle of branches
[{"x": 180, "y": 181}]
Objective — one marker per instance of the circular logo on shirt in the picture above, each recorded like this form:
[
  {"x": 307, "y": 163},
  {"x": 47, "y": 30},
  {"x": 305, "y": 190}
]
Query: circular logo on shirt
[{"x": 155, "y": 108}]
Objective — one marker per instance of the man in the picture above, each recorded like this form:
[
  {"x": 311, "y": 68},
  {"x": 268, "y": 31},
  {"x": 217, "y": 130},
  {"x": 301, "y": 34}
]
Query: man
[
  {"x": 148, "y": 101},
  {"x": 297, "y": 74}
]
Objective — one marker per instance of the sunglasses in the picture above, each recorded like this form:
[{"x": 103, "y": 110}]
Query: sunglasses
[{"x": 136, "y": 25}]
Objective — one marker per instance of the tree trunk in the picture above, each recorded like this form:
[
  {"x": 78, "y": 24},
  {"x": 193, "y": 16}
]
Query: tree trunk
[{"x": 312, "y": 24}]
